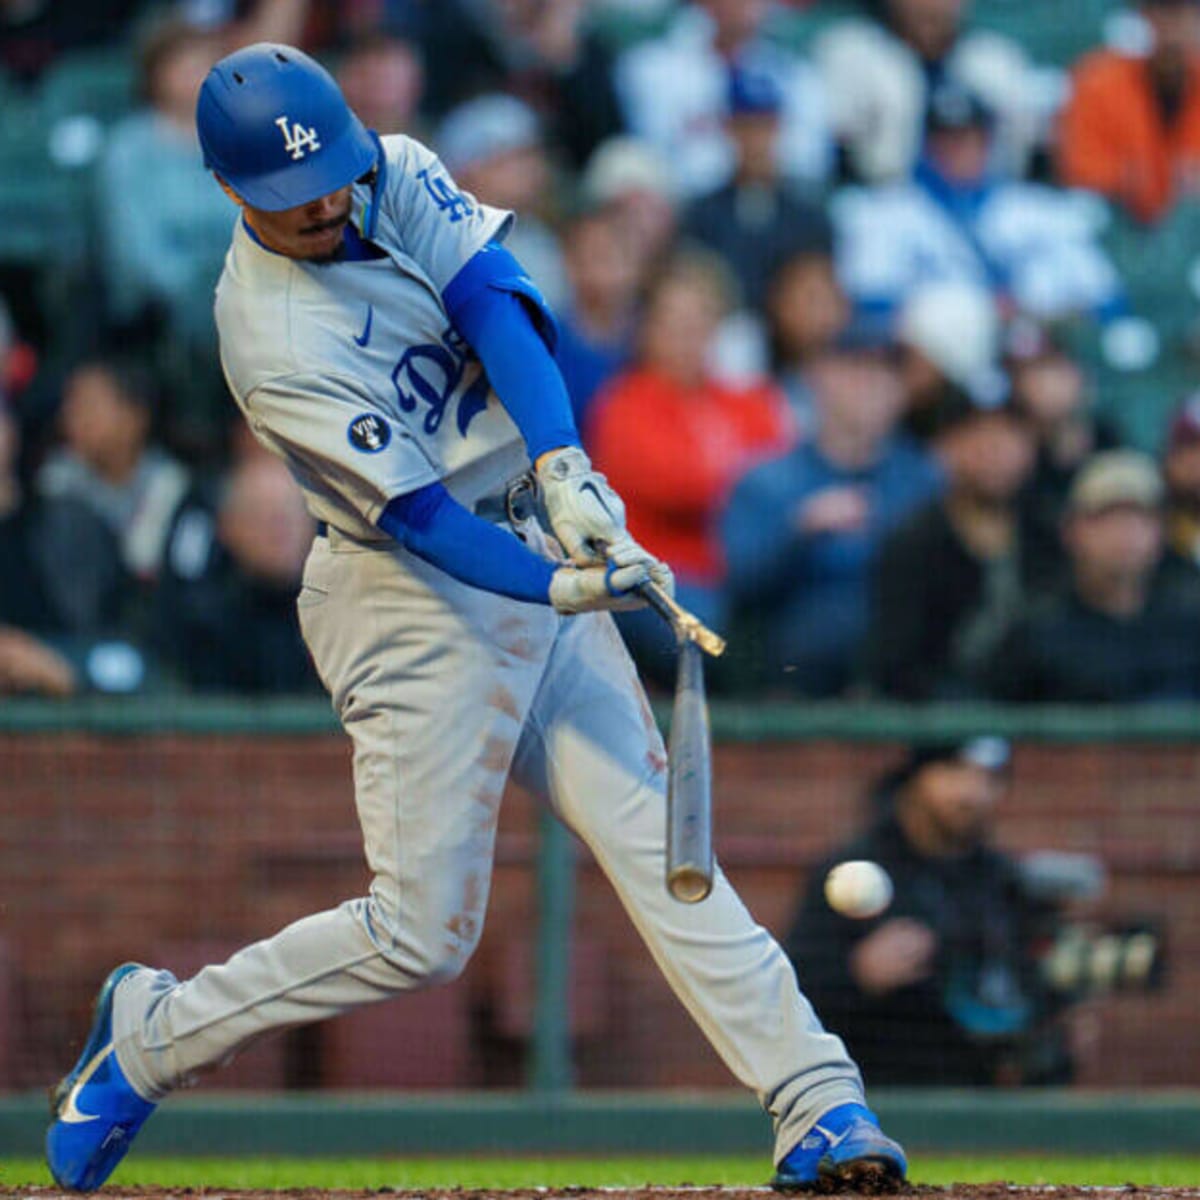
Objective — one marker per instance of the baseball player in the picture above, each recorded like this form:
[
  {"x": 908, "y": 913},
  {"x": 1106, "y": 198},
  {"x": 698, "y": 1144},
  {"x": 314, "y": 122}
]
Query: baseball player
[{"x": 379, "y": 338}]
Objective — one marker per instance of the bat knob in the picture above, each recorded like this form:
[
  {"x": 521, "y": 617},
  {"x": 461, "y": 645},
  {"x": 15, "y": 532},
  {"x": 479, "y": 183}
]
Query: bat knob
[{"x": 689, "y": 885}]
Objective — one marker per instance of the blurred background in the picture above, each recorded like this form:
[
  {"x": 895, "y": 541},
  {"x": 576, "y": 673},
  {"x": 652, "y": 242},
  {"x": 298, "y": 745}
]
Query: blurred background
[{"x": 883, "y": 317}]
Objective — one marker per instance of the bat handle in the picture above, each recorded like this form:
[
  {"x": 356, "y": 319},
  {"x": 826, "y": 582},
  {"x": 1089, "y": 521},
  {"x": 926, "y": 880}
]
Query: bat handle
[{"x": 687, "y": 626}]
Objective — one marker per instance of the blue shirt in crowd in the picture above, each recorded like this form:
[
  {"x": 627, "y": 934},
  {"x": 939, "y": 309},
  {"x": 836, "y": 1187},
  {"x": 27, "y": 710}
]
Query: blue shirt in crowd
[{"x": 810, "y": 591}]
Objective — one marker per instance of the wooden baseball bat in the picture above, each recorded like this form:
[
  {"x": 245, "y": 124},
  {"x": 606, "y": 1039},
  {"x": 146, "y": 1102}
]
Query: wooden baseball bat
[
  {"x": 689, "y": 787},
  {"x": 687, "y": 626}
]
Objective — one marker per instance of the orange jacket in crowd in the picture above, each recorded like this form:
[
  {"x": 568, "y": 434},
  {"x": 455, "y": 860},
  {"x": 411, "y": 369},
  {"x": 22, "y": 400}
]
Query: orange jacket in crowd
[
  {"x": 1113, "y": 138},
  {"x": 673, "y": 455}
]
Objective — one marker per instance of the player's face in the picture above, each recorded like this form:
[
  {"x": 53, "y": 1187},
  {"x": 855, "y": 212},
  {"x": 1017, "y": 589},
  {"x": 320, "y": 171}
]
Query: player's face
[{"x": 312, "y": 232}]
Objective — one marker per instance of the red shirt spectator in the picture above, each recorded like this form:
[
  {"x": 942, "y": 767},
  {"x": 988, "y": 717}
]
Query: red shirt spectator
[
  {"x": 672, "y": 439},
  {"x": 1131, "y": 129}
]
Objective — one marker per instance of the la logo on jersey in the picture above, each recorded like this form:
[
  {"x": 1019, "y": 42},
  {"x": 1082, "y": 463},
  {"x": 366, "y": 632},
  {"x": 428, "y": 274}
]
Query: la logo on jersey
[
  {"x": 369, "y": 433},
  {"x": 297, "y": 140}
]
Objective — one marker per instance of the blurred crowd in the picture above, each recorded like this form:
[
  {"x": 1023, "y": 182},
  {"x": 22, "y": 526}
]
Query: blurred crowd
[{"x": 857, "y": 308}]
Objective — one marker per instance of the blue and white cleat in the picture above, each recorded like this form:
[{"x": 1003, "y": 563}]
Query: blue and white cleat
[
  {"x": 845, "y": 1151},
  {"x": 96, "y": 1112}
]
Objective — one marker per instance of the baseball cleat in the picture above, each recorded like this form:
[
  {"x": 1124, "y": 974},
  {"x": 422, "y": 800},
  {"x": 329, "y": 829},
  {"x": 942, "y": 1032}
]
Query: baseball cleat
[
  {"x": 845, "y": 1151},
  {"x": 96, "y": 1112}
]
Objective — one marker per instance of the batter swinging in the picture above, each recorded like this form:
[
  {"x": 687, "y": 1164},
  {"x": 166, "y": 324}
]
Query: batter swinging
[{"x": 380, "y": 339}]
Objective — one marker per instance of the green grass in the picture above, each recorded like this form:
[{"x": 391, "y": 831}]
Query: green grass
[{"x": 1147, "y": 1170}]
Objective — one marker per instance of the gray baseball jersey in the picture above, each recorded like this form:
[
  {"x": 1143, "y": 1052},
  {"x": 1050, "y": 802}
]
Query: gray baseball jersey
[{"x": 351, "y": 370}]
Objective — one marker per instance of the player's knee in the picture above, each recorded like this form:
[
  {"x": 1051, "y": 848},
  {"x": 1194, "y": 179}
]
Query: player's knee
[{"x": 423, "y": 954}]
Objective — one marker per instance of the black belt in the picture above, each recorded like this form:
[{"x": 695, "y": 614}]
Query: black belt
[{"x": 322, "y": 529}]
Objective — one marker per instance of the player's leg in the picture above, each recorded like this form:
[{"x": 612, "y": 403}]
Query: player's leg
[
  {"x": 593, "y": 749},
  {"x": 434, "y": 696}
]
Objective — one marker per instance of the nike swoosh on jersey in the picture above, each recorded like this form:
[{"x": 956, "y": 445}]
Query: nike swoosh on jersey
[
  {"x": 835, "y": 1140},
  {"x": 70, "y": 1114},
  {"x": 366, "y": 333}
]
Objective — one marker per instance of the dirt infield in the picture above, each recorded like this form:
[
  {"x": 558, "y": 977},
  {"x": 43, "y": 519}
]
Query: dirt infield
[{"x": 965, "y": 1191}]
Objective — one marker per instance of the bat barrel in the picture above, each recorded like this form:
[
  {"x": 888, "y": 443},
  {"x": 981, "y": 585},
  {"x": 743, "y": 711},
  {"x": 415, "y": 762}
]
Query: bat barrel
[{"x": 689, "y": 798}]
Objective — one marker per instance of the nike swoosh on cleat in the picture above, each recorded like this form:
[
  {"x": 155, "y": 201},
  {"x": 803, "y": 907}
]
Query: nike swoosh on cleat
[
  {"x": 69, "y": 1113},
  {"x": 835, "y": 1140},
  {"x": 365, "y": 337}
]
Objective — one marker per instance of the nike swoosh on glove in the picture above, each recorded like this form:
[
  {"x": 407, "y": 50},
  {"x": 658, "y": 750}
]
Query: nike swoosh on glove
[
  {"x": 597, "y": 588},
  {"x": 584, "y": 512}
]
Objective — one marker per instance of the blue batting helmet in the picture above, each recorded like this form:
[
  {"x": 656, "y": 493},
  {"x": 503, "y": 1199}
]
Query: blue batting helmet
[{"x": 275, "y": 126}]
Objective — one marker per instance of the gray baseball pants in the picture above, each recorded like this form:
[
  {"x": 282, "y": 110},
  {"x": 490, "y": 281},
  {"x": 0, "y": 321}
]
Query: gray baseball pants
[{"x": 446, "y": 690}]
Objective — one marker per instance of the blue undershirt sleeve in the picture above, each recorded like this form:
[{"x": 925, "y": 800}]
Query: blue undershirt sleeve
[
  {"x": 431, "y": 524},
  {"x": 497, "y": 308}
]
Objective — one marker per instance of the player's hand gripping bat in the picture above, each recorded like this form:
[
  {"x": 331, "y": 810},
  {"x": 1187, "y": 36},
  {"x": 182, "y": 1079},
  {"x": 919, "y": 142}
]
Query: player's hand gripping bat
[{"x": 689, "y": 754}]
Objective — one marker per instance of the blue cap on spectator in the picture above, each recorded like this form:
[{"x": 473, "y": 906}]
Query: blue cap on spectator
[
  {"x": 484, "y": 128},
  {"x": 753, "y": 93}
]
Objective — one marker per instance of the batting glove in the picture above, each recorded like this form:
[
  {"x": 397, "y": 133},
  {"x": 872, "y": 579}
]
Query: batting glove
[
  {"x": 625, "y": 552},
  {"x": 597, "y": 588},
  {"x": 584, "y": 512}
]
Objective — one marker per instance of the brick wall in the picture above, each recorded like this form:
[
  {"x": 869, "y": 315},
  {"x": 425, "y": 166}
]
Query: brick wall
[{"x": 178, "y": 849}]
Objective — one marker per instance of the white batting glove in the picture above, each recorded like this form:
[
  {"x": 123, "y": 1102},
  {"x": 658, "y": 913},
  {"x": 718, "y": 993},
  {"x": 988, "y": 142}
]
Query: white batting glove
[
  {"x": 597, "y": 588},
  {"x": 625, "y": 552},
  {"x": 584, "y": 512}
]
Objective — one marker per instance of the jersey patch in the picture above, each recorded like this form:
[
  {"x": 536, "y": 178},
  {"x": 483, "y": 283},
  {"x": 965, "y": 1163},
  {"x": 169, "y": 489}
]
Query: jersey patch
[{"x": 369, "y": 433}]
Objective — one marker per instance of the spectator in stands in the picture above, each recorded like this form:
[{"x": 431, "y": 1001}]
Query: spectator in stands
[
  {"x": 382, "y": 78},
  {"x": 962, "y": 218},
  {"x": 596, "y": 329},
  {"x": 806, "y": 311},
  {"x": 801, "y": 531},
  {"x": 952, "y": 578},
  {"x": 107, "y": 497},
  {"x": 1121, "y": 633},
  {"x": 755, "y": 220},
  {"x": 949, "y": 337},
  {"x": 1181, "y": 474},
  {"x": 22, "y": 597},
  {"x": 632, "y": 179},
  {"x": 546, "y": 54},
  {"x": 942, "y": 988},
  {"x": 676, "y": 485},
  {"x": 1050, "y": 390},
  {"x": 227, "y": 602},
  {"x": 880, "y": 72},
  {"x": 27, "y": 663},
  {"x": 165, "y": 229},
  {"x": 1131, "y": 126},
  {"x": 674, "y": 93},
  {"x": 493, "y": 147}
]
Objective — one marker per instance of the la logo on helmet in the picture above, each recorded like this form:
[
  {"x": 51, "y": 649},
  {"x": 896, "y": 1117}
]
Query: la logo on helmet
[{"x": 297, "y": 140}]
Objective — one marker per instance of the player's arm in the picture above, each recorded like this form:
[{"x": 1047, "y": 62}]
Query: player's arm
[
  {"x": 317, "y": 422},
  {"x": 498, "y": 309},
  {"x": 432, "y": 525}
]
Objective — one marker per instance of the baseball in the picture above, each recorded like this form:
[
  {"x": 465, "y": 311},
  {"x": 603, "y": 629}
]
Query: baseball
[{"x": 858, "y": 889}]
